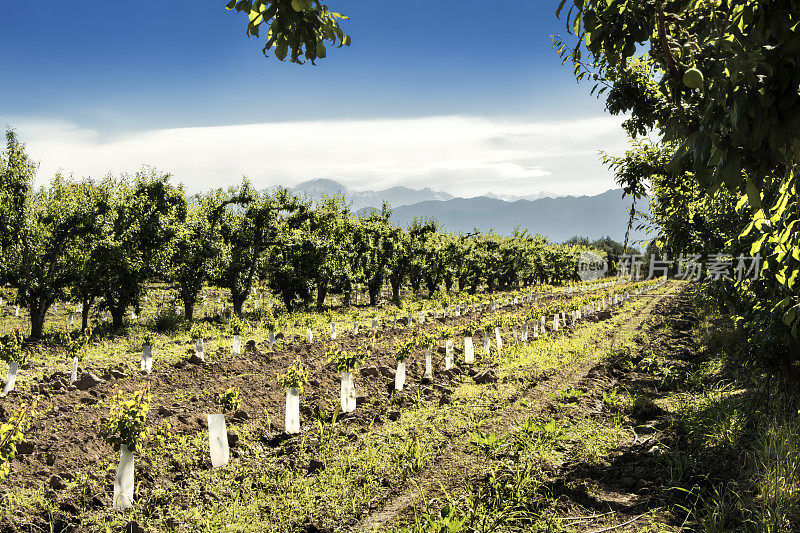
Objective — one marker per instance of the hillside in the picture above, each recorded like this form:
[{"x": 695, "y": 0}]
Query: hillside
[{"x": 558, "y": 219}]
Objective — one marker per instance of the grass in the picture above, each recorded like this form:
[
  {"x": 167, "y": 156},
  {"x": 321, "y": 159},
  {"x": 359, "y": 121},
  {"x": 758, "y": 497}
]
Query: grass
[{"x": 337, "y": 471}]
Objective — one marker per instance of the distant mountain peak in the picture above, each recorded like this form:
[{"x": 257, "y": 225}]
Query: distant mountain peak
[
  {"x": 396, "y": 196},
  {"x": 529, "y": 197},
  {"x": 556, "y": 218}
]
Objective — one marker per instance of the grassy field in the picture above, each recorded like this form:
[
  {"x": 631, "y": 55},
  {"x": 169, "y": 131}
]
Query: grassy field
[{"x": 606, "y": 421}]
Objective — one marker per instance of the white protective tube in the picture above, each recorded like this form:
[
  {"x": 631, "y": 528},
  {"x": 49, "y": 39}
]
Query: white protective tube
[
  {"x": 123, "y": 482},
  {"x": 218, "y": 440}
]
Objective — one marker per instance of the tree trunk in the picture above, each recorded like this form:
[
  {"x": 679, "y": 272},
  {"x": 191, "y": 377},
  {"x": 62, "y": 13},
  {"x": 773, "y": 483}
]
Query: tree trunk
[
  {"x": 322, "y": 292},
  {"x": 86, "y": 304},
  {"x": 374, "y": 290},
  {"x": 117, "y": 315},
  {"x": 238, "y": 301},
  {"x": 37, "y": 320},
  {"x": 287, "y": 301},
  {"x": 396, "y": 283},
  {"x": 188, "y": 308},
  {"x": 431, "y": 284},
  {"x": 474, "y": 286}
]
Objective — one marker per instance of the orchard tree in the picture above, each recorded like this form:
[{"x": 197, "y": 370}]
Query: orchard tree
[
  {"x": 375, "y": 247},
  {"x": 719, "y": 84},
  {"x": 16, "y": 187},
  {"x": 46, "y": 258},
  {"x": 331, "y": 229},
  {"x": 145, "y": 216},
  {"x": 250, "y": 225},
  {"x": 196, "y": 246}
]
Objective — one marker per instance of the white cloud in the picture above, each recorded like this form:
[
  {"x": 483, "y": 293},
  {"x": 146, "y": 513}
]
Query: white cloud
[{"x": 462, "y": 155}]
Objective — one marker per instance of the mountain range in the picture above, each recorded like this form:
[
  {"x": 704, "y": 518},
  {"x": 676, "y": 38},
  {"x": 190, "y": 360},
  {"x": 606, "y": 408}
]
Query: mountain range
[
  {"x": 395, "y": 196},
  {"x": 556, "y": 217}
]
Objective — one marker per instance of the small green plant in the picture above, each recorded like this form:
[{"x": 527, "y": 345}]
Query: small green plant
[
  {"x": 469, "y": 329},
  {"x": 12, "y": 433},
  {"x": 75, "y": 344},
  {"x": 11, "y": 348},
  {"x": 568, "y": 395},
  {"x": 162, "y": 434},
  {"x": 127, "y": 420},
  {"x": 295, "y": 377},
  {"x": 228, "y": 400},
  {"x": 444, "y": 333},
  {"x": 268, "y": 321},
  {"x": 488, "y": 443},
  {"x": 199, "y": 330},
  {"x": 235, "y": 325},
  {"x": 427, "y": 340},
  {"x": 402, "y": 349},
  {"x": 147, "y": 339},
  {"x": 611, "y": 399},
  {"x": 346, "y": 360},
  {"x": 540, "y": 433}
]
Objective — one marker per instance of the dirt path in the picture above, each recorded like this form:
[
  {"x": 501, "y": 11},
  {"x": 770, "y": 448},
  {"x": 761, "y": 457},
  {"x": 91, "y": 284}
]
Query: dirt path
[{"x": 453, "y": 467}]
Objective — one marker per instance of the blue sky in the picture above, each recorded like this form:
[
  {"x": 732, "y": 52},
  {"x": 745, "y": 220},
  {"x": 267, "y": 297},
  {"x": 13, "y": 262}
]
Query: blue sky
[{"x": 94, "y": 90}]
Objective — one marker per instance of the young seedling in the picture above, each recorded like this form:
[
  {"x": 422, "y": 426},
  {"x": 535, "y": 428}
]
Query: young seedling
[
  {"x": 468, "y": 330},
  {"x": 75, "y": 347},
  {"x": 148, "y": 342},
  {"x": 198, "y": 332},
  {"x": 428, "y": 341},
  {"x": 217, "y": 429},
  {"x": 11, "y": 352},
  {"x": 403, "y": 349},
  {"x": 446, "y": 334},
  {"x": 345, "y": 362},
  {"x": 268, "y": 323},
  {"x": 308, "y": 321},
  {"x": 126, "y": 430},
  {"x": 235, "y": 327},
  {"x": 293, "y": 380}
]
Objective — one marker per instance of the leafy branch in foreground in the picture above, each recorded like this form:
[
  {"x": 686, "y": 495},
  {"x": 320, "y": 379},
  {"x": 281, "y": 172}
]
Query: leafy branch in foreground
[
  {"x": 11, "y": 434},
  {"x": 295, "y": 28}
]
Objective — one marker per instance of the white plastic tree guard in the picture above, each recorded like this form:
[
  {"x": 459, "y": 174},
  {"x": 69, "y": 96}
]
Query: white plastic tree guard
[
  {"x": 271, "y": 338},
  {"x": 147, "y": 359},
  {"x": 498, "y": 340},
  {"x": 333, "y": 331},
  {"x": 199, "y": 350},
  {"x": 428, "y": 364},
  {"x": 487, "y": 343},
  {"x": 469, "y": 351},
  {"x": 448, "y": 354},
  {"x": 292, "y": 410},
  {"x": 73, "y": 376},
  {"x": 236, "y": 347},
  {"x": 348, "y": 393},
  {"x": 123, "y": 482},
  {"x": 309, "y": 335},
  {"x": 13, "y": 366},
  {"x": 400, "y": 376},
  {"x": 218, "y": 440}
]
